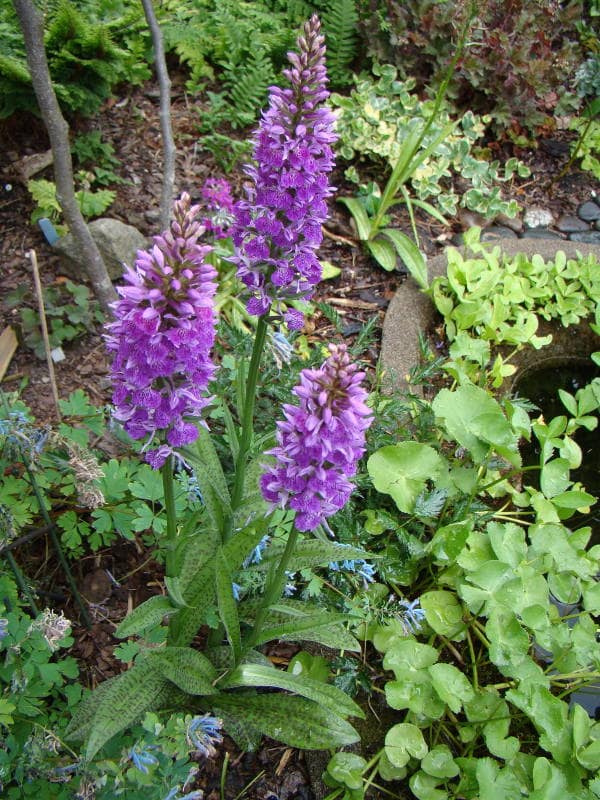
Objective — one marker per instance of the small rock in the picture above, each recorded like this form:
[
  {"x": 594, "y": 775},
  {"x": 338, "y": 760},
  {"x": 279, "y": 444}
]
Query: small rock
[
  {"x": 597, "y": 224},
  {"x": 537, "y": 217},
  {"x": 152, "y": 215},
  {"x": 514, "y": 223},
  {"x": 471, "y": 219},
  {"x": 541, "y": 233},
  {"x": 589, "y": 237},
  {"x": 497, "y": 232},
  {"x": 118, "y": 243},
  {"x": 569, "y": 224},
  {"x": 589, "y": 211}
]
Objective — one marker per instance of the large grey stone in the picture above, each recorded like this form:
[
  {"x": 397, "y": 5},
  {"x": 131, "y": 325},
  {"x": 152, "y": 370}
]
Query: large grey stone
[
  {"x": 118, "y": 243},
  {"x": 411, "y": 311}
]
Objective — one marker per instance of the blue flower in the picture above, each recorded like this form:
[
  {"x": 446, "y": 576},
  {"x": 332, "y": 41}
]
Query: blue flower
[
  {"x": 197, "y": 794},
  {"x": 3, "y": 628},
  {"x": 411, "y": 616},
  {"x": 256, "y": 555},
  {"x": 203, "y": 733},
  {"x": 235, "y": 590},
  {"x": 359, "y": 566},
  {"x": 142, "y": 758}
]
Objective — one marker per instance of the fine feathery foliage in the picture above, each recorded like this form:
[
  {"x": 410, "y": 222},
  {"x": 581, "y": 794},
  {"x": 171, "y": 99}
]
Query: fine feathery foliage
[{"x": 88, "y": 54}]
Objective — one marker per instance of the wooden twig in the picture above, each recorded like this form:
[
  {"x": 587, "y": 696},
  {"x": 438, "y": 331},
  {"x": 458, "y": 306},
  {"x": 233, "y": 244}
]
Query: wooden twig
[
  {"x": 31, "y": 21},
  {"x": 44, "y": 326},
  {"x": 166, "y": 129}
]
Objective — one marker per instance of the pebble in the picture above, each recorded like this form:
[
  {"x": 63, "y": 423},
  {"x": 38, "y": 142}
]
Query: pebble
[
  {"x": 538, "y": 223},
  {"x": 514, "y": 223},
  {"x": 589, "y": 211},
  {"x": 569, "y": 224},
  {"x": 541, "y": 233},
  {"x": 537, "y": 217},
  {"x": 495, "y": 232},
  {"x": 589, "y": 237}
]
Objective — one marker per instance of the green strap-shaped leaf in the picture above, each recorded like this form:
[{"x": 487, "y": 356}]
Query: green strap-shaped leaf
[
  {"x": 201, "y": 592},
  {"x": 196, "y": 552},
  {"x": 145, "y": 616},
  {"x": 184, "y": 625},
  {"x": 188, "y": 669},
  {"x": 203, "y": 456},
  {"x": 311, "y": 553},
  {"x": 292, "y": 720},
  {"x": 124, "y": 701},
  {"x": 227, "y": 605},
  {"x": 298, "y": 621},
  {"x": 410, "y": 254},
  {"x": 328, "y": 696},
  {"x": 303, "y": 629},
  {"x": 80, "y": 723},
  {"x": 384, "y": 253},
  {"x": 222, "y": 658},
  {"x": 361, "y": 219}
]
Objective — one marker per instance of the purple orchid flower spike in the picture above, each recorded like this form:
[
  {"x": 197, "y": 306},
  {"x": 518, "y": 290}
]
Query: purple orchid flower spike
[
  {"x": 320, "y": 442},
  {"x": 278, "y": 226},
  {"x": 162, "y": 337}
]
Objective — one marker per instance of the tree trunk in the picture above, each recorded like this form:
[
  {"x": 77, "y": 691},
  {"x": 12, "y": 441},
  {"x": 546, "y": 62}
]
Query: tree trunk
[
  {"x": 164, "y": 83},
  {"x": 58, "y": 131}
]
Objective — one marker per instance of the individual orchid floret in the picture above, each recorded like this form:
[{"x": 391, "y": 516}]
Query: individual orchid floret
[
  {"x": 278, "y": 226},
  {"x": 216, "y": 194},
  {"x": 320, "y": 442},
  {"x": 162, "y": 338}
]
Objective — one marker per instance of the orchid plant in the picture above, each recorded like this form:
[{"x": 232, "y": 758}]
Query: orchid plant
[{"x": 161, "y": 340}]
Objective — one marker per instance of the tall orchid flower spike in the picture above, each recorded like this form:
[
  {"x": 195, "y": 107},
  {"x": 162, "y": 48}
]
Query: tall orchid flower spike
[
  {"x": 162, "y": 336},
  {"x": 320, "y": 442},
  {"x": 278, "y": 226}
]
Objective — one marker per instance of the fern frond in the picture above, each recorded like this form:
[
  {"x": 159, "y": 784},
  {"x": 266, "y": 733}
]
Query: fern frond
[
  {"x": 247, "y": 86},
  {"x": 340, "y": 21}
]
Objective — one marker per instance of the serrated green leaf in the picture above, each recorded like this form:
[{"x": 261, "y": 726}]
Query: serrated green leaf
[
  {"x": 328, "y": 696},
  {"x": 438, "y": 762},
  {"x": 292, "y": 720},
  {"x": 145, "y": 616},
  {"x": 451, "y": 685},
  {"x": 444, "y": 614}
]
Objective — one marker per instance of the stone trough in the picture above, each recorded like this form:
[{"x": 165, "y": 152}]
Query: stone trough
[{"x": 411, "y": 311}]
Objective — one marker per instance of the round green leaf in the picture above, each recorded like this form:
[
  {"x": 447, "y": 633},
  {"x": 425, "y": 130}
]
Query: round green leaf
[
  {"x": 402, "y": 471},
  {"x": 346, "y": 769},
  {"x": 439, "y": 763},
  {"x": 444, "y": 613},
  {"x": 403, "y": 742}
]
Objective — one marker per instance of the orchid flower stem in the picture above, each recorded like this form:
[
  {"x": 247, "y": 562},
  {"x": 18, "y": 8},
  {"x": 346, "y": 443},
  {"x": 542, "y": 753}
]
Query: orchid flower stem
[
  {"x": 274, "y": 588},
  {"x": 21, "y": 582},
  {"x": 169, "y": 498},
  {"x": 85, "y": 617},
  {"x": 247, "y": 419}
]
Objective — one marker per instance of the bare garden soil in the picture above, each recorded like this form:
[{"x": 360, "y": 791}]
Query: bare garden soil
[{"x": 361, "y": 291}]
